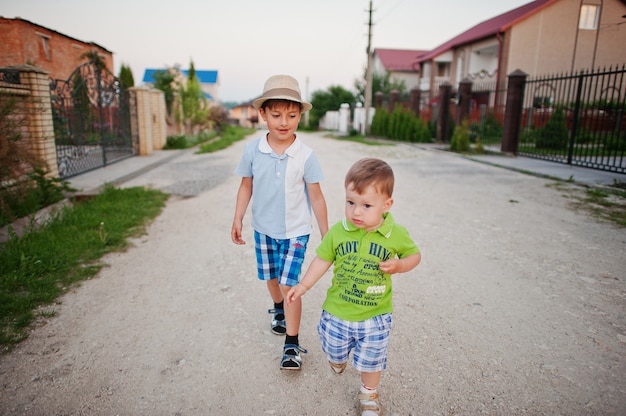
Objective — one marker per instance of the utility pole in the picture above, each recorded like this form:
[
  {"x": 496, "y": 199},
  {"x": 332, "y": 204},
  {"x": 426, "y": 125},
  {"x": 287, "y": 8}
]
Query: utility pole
[
  {"x": 368, "y": 74},
  {"x": 306, "y": 98}
]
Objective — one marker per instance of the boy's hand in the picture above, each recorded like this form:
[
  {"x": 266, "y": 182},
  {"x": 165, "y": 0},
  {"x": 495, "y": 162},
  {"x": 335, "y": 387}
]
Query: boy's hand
[
  {"x": 295, "y": 293},
  {"x": 235, "y": 233},
  {"x": 403, "y": 265},
  {"x": 390, "y": 266}
]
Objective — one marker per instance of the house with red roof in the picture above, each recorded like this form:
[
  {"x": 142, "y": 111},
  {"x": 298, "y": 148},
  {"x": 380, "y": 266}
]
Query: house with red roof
[
  {"x": 401, "y": 64},
  {"x": 540, "y": 38}
]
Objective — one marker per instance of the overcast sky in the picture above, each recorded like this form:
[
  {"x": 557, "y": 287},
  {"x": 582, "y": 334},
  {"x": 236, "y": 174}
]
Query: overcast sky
[{"x": 246, "y": 41}]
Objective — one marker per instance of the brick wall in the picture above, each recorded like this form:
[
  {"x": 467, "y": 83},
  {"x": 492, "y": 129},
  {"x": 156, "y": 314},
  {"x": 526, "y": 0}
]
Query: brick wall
[{"x": 23, "y": 42}]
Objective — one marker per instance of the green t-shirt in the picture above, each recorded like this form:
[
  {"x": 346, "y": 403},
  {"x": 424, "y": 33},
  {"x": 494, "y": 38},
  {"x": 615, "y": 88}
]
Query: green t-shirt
[{"x": 359, "y": 289}]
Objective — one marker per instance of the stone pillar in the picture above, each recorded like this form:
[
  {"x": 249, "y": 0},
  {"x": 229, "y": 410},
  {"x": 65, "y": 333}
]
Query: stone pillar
[
  {"x": 393, "y": 99},
  {"x": 159, "y": 126},
  {"x": 443, "y": 119},
  {"x": 144, "y": 119},
  {"x": 39, "y": 115},
  {"x": 416, "y": 96},
  {"x": 513, "y": 111},
  {"x": 465, "y": 97},
  {"x": 344, "y": 118},
  {"x": 378, "y": 99}
]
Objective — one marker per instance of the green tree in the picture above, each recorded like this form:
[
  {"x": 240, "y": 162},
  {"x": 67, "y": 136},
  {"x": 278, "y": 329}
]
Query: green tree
[
  {"x": 193, "y": 101},
  {"x": 165, "y": 81},
  {"x": 95, "y": 59},
  {"x": 329, "y": 100},
  {"x": 126, "y": 76}
]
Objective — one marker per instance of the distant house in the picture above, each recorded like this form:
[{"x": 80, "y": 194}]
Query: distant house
[
  {"x": 401, "y": 64},
  {"x": 209, "y": 82},
  {"x": 244, "y": 115},
  {"x": 24, "y": 42},
  {"x": 540, "y": 38}
]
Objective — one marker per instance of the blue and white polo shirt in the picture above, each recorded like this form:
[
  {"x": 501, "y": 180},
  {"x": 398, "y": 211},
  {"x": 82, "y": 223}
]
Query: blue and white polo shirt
[{"x": 281, "y": 207}]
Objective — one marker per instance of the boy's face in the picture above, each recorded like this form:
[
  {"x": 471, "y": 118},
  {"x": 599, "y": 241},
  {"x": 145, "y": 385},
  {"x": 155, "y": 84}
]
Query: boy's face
[
  {"x": 282, "y": 121},
  {"x": 366, "y": 210}
]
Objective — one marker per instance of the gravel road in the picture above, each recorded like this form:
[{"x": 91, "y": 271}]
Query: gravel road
[{"x": 518, "y": 306}]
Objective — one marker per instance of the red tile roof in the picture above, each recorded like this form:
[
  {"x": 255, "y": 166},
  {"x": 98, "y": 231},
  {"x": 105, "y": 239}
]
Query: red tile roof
[
  {"x": 398, "y": 59},
  {"x": 488, "y": 28}
]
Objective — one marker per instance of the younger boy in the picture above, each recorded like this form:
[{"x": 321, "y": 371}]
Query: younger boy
[
  {"x": 281, "y": 175},
  {"x": 367, "y": 247}
]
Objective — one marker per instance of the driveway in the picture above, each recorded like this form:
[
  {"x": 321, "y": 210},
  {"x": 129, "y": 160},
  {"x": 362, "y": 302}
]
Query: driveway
[{"x": 518, "y": 307}]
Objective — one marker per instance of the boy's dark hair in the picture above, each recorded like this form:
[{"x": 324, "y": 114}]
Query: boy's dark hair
[
  {"x": 371, "y": 172},
  {"x": 280, "y": 103}
]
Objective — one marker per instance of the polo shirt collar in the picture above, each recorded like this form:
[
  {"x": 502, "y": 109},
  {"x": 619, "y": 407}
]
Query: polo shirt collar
[
  {"x": 264, "y": 146},
  {"x": 385, "y": 228}
]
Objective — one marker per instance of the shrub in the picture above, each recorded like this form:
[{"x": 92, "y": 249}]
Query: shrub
[
  {"x": 176, "y": 142},
  {"x": 478, "y": 147},
  {"x": 554, "y": 135},
  {"x": 29, "y": 195},
  {"x": 460, "y": 141},
  {"x": 616, "y": 143},
  {"x": 401, "y": 124}
]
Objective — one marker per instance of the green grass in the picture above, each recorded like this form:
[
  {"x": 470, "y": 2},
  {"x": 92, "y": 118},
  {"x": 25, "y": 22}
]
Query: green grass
[
  {"x": 359, "y": 138},
  {"x": 228, "y": 136},
  {"x": 185, "y": 142},
  {"x": 605, "y": 204},
  {"x": 41, "y": 265}
]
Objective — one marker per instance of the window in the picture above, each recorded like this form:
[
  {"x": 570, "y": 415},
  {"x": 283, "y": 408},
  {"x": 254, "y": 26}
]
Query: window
[
  {"x": 45, "y": 44},
  {"x": 442, "y": 69},
  {"x": 589, "y": 17}
]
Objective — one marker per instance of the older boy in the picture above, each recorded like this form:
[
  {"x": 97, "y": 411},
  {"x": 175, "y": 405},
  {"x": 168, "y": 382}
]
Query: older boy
[{"x": 282, "y": 177}]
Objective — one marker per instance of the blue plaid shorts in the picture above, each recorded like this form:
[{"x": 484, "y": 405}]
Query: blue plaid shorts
[
  {"x": 368, "y": 339},
  {"x": 280, "y": 259}
]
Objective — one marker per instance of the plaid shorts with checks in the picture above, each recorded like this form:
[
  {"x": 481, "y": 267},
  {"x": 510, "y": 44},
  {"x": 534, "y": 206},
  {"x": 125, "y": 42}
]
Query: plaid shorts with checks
[
  {"x": 367, "y": 339},
  {"x": 280, "y": 259}
]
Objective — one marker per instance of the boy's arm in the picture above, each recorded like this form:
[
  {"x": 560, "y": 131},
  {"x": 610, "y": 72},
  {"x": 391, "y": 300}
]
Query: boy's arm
[
  {"x": 316, "y": 270},
  {"x": 243, "y": 199},
  {"x": 402, "y": 265},
  {"x": 318, "y": 204}
]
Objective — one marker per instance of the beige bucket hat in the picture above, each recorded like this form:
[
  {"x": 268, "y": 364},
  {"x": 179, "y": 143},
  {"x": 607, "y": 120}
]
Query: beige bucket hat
[{"x": 281, "y": 87}]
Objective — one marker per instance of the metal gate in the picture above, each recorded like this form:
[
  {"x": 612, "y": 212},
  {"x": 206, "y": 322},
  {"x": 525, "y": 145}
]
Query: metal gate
[
  {"x": 577, "y": 119},
  {"x": 92, "y": 120}
]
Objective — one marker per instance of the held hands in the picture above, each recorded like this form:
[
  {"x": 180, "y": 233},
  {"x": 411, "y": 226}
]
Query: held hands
[{"x": 295, "y": 293}]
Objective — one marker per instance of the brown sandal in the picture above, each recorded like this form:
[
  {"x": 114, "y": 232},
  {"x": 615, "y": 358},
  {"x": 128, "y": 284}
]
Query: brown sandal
[
  {"x": 338, "y": 368},
  {"x": 363, "y": 397}
]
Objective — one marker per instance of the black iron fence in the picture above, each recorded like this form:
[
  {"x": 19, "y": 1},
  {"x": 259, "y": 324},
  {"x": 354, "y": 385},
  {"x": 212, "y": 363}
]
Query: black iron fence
[{"x": 578, "y": 119}]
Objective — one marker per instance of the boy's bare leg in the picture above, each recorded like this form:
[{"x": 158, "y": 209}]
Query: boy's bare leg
[
  {"x": 370, "y": 380},
  {"x": 293, "y": 313},
  {"x": 274, "y": 289}
]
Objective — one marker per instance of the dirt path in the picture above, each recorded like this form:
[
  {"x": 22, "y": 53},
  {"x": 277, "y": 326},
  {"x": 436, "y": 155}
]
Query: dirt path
[{"x": 518, "y": 308}]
